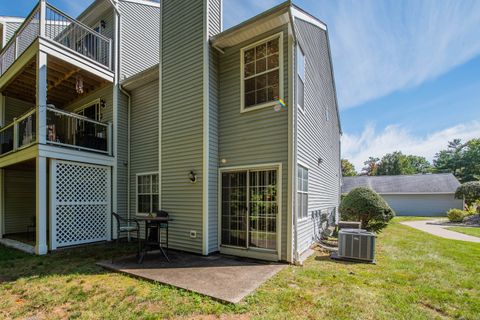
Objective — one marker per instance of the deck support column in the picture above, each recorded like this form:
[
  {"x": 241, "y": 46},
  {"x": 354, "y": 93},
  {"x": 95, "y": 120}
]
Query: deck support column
[
  {"x": 42, "y": 97},
  {"x": 41, "y": 206}
]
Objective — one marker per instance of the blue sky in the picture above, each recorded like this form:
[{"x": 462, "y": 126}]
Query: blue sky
[{"x": 407, "y": 72}]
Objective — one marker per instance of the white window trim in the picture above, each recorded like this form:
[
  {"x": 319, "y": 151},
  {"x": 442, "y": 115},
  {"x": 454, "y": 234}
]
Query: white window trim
[
  {"x": 303, "y": 218},
  {"x": 299, "y": 47},
  {"x": 136, "y": 190},
  {"x": 242, "y": 74},
  {"x": 255, "y": 253}
]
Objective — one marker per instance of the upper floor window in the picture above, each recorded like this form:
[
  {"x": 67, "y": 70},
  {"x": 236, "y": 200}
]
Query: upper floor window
[
  {"x": 262, "y": 73},
  {"x": 300, "y": 78}
]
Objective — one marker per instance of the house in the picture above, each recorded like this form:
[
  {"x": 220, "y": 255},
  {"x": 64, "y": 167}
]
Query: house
[
  {"x": 419, "y": 195},
  {"x": 234, "y": 132}
]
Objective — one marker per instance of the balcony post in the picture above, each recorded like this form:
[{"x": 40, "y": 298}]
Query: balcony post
[
  {"x": 41, "y": 206},
  {"x": 41, "y": 97},
  {"x": 43, "y": 13}
]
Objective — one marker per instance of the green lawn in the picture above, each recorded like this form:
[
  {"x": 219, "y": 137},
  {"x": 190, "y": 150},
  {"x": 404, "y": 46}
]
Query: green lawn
[
  {"x": 417, "y": 276},
  {"x": 475, "y": 231}
]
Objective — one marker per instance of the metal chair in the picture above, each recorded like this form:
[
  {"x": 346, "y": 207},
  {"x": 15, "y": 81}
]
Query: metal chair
[{"x": 124, "y": 226}]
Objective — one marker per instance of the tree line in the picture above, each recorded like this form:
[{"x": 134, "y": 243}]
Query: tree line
[{"x": 461, "y": 159}]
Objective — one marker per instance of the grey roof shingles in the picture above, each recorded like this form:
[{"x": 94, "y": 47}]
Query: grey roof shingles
[{"x": 406, "y": 184}]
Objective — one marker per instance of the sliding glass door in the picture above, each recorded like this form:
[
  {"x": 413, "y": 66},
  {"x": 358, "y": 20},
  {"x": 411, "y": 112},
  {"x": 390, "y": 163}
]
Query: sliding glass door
[{"x": 249, "y": 209}]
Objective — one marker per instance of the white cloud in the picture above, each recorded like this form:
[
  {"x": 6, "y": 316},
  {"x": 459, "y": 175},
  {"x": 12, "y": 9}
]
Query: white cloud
[
  {"x": 357, "y": 148},
  {"x": 380, "y": 47}
]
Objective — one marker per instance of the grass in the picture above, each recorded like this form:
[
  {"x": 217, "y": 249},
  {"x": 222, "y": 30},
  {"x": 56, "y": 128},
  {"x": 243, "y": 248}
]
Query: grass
[
  {"x": 417, "y": 276},
  {"x": 471, "y": 231}
]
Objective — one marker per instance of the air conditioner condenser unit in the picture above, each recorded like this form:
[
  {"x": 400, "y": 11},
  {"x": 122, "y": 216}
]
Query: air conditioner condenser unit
[{"x": 356, "y": 245}]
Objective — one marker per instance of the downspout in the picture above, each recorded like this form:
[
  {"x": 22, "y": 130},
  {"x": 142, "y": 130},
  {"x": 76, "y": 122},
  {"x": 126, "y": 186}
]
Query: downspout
[
  {"x": 129, "y": 112},
  {"x": 115, "y": 98},
  {"x": 294, "y": 196}
]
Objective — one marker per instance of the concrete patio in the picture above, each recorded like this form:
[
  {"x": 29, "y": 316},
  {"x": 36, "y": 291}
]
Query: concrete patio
[{"x": 224, "y": 278}]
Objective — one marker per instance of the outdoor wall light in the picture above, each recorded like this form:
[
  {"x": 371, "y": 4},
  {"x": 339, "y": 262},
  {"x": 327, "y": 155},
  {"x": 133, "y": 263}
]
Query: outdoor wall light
[
  {"x": 223, "y": 161},
  {"x": 192, "y": 176},
  {"x": 103, "y": 24},
  {"x": 320, "y": 160}
]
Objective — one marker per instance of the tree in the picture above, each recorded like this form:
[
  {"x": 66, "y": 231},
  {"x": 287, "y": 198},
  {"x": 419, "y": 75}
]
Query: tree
[
  {"x": 419, "y": 164},
  {"x": 397, "y": 163},
  {"x": 348, "y": 169},
  {"x": 371, "y": 166},
  {"x": 461, "y": 159},
  {"x": 394, "y": 164},
  {"x": 368, "y": 207},
  {"x": 470, "y": 191}
]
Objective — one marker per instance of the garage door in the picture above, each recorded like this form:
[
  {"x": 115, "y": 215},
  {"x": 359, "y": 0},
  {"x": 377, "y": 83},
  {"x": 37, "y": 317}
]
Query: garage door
[
  {"x": 80, "y": 203},
  {"x": 422, "y": 205}
]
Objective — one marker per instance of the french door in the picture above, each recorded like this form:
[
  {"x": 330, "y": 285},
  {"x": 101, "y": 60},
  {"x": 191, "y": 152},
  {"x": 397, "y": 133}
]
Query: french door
[{"x": 249, "y": 209}]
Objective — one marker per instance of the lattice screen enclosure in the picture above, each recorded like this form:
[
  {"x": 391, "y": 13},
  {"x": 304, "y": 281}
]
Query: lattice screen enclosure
[{"x": 80, "y": 196}]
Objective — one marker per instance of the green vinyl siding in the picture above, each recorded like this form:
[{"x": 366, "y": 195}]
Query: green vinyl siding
[
  {"x": 317, "y": 136},
  {"x": 182, "y": 120},
  {"x": 254, "y": 137}
]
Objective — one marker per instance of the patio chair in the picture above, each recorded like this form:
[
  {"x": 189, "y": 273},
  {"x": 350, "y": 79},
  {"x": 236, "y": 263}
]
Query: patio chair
[{"x": 124, "y": 226}]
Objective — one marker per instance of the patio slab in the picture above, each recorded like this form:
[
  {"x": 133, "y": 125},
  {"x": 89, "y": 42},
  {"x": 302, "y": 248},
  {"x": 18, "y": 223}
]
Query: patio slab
[{"x": 221, "y": 277}]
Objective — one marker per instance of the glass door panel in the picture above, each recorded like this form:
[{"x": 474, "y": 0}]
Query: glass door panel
[
  {"x": 234, "y": 209},
  {"x": 263, "y": 209}
]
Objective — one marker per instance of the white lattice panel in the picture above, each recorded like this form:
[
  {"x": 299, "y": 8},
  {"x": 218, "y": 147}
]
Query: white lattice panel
[{"x": 80, "y": 203}]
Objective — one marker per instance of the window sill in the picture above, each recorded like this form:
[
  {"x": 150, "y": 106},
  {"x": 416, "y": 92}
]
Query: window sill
[{"x": 258, "y": 107}]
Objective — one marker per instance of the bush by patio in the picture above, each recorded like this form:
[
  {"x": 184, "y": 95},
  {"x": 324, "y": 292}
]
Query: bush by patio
[{"x": 368, "y": 207}]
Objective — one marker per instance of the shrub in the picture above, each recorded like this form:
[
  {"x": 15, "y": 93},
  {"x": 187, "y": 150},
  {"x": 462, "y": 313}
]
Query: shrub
[
  {"x": 368, "y": 207},
  {"x": 473, "y": 208},
  {"x": 470, "y": 191},
  {"x": 456, "y": 215}
]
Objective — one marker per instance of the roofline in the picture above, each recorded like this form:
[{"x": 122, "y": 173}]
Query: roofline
[
  {"x": 404, "y": 175},
  {"x": 308, "y": 17},
  {"x": 143, "y": 2},
  {"x": 406, "y": 193},
  {"x": 281, "y": 8},
  {"x": 149, "y": 74},
  {"x": 12, "y": 19}
]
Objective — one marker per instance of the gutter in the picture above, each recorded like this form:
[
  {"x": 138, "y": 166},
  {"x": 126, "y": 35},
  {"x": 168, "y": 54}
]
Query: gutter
[{"x": 295, "y": 254}]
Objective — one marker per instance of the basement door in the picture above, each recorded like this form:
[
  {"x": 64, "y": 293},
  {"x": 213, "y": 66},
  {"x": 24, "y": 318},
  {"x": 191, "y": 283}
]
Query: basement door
[
  {"x": 249, "y": 210},
  {"x": 80, "y": 203}
]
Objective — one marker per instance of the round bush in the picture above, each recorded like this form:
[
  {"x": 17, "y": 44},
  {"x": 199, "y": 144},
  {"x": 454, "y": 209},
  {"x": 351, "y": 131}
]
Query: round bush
[
  {"x": 470, "y": 191},
  {"x": 368, "y": 207},
  {"x": 456, "y": 215}
]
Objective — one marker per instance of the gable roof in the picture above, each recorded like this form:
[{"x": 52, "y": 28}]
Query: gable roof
[{"x": 406, "y": 184}]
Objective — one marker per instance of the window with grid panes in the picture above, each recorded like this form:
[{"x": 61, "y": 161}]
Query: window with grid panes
[
  {"x": 302, "y": 192},
  {"x": 147, "y": 193},
  {"x": 261, "y": 73}
]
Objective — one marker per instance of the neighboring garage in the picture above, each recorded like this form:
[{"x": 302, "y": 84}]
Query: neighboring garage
[{"x": 419, "y": 195}]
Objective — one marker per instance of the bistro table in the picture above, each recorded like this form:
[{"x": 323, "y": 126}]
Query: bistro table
[{"x": 153, "y": 235}]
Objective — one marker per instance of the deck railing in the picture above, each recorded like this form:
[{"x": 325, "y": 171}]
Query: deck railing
[
  {"x": 63, "y": 129},
  {"x": 72, "y": 130},
  {"x": 19, "y": 134},
  {"x": 57, "y": 26}
]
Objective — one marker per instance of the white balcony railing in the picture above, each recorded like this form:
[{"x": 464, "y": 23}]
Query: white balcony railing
[
  {"x": 63, "y": 129},
  {"x": 50, "y": 23}
]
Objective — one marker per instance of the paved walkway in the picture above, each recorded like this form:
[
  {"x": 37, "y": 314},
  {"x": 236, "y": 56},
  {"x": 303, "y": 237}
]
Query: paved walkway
[{"x": 440, "y": 231}]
